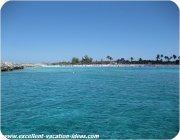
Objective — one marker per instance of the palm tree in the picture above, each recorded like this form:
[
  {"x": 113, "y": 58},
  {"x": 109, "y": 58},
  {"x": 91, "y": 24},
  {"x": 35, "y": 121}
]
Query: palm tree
[
  {"x": 157, "y": 57},
  {"x": 174, "y": 56},
  {"x": 120, "y": 60},
  {"x": 110, "y": 58},
  {"x": 170, "y": 58},
  {"x": 162, "y": 57},
  {"x": 167, "y": 58},
  {"x": 131, "y": 59}
]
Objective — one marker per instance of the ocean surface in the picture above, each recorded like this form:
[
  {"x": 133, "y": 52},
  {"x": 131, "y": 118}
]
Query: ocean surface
[{"x": 114, "y": 102}]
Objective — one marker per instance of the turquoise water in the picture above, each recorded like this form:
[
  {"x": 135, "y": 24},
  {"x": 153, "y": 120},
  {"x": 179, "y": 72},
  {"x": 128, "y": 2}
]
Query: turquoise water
[{"x": 114, "y": 102}]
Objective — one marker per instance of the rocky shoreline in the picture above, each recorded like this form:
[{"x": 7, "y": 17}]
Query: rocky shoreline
[{"x": 7, "y": 66}]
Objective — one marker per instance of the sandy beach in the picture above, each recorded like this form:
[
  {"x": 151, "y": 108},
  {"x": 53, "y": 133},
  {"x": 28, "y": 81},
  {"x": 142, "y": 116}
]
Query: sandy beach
[{"x": 108, "y": 65}]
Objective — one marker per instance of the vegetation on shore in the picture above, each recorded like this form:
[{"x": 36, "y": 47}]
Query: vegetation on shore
[
  {"x": 159, "y": 59},
  {"x": 86, "y": 60}
]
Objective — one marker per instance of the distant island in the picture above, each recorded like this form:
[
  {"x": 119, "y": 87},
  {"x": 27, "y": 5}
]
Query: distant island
[{"x": 160, "y": 59}]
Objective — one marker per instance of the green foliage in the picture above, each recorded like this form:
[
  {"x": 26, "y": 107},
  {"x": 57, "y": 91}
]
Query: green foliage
[
  {"x": 109, "y": 57},
  {"x": 75, "y": 60},
  {"x": 131, "y": 59},
  {"x": 173, "y": 59},
  {"x": 86, "y": 60},
  {"x": 174, "y": 56},
  {"x": 167, "y": 58},
  {"x": 157, "y": 57}
]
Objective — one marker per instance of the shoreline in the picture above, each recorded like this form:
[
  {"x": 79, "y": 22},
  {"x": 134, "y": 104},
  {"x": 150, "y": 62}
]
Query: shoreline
[
  {"x": 112, "y": 65},
  {"x": 11, "y": 67}
]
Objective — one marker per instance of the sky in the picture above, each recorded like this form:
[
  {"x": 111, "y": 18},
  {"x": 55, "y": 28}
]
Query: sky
[{"x": 35, "y": 32}]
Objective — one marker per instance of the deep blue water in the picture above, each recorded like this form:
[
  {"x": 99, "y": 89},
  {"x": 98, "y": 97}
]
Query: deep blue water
[{"x": 121, "y": 102}]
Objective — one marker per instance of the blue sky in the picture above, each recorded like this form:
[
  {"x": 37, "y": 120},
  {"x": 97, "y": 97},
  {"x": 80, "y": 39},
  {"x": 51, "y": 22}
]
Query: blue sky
[{"x": 56, "y": 31}]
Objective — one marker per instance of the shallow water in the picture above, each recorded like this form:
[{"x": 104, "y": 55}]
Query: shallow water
[{"x": 114, "y": 102}]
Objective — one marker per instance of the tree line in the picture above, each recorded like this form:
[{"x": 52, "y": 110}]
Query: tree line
[{"x": 159, "y": 59}]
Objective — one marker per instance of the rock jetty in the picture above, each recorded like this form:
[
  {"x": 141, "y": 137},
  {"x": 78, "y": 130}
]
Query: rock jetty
[{"x": 7, "y": 66}]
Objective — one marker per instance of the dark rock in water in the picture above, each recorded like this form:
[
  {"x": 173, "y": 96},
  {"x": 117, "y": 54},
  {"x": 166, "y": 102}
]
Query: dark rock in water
[{"x": 6, "y": 66}]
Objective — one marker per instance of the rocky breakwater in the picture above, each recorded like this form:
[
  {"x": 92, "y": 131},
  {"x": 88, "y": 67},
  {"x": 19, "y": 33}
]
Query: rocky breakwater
[{"x": 7, "y": 66}]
